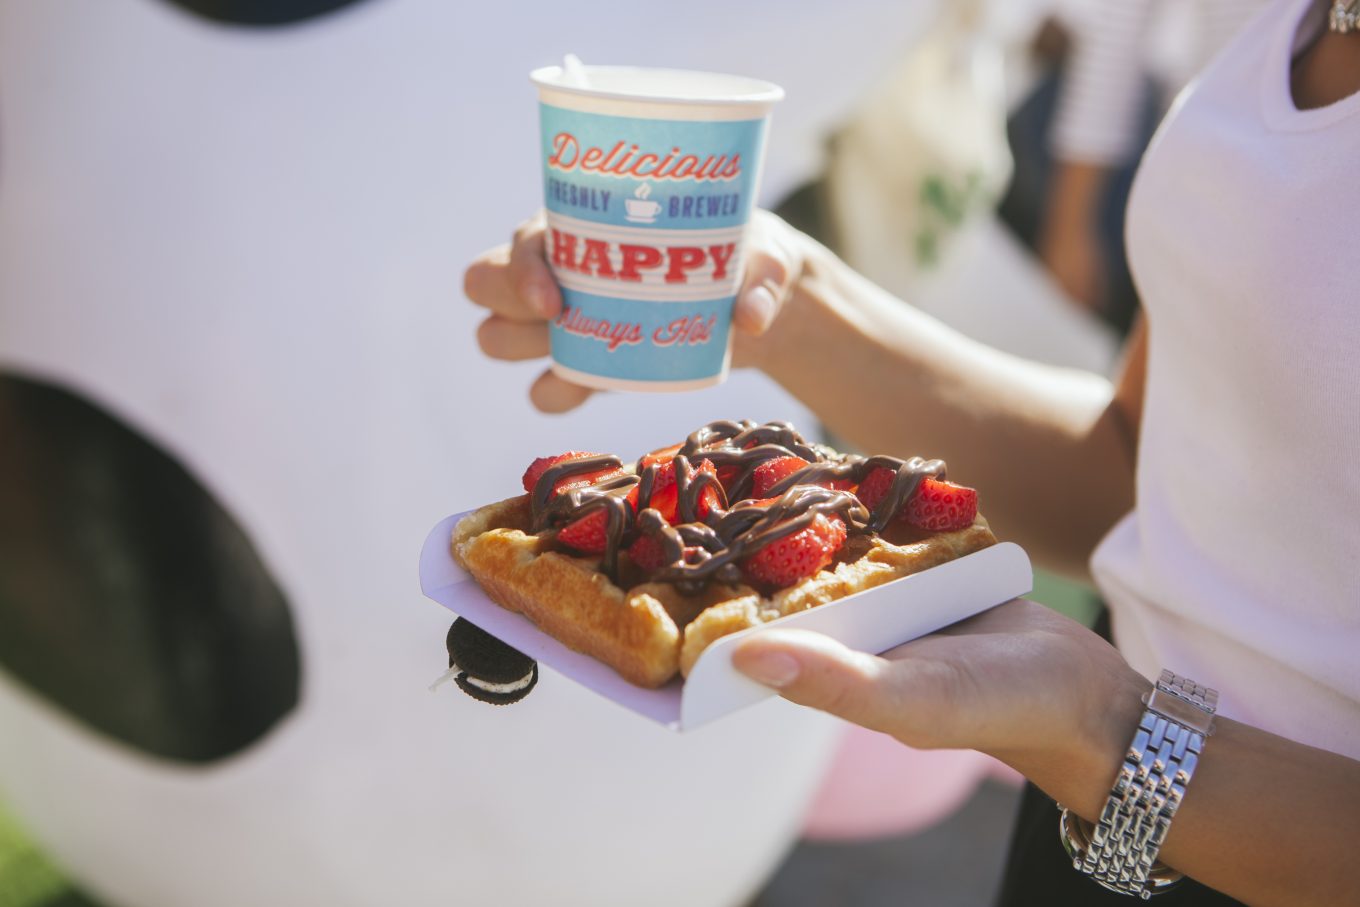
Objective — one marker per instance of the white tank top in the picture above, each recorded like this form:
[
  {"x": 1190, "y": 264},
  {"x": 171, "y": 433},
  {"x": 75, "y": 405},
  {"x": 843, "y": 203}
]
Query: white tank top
[{"x": 1240, "y": 565}]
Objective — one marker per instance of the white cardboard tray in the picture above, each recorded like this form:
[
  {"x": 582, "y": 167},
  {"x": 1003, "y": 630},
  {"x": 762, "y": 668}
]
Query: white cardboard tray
[{"x": 873, "y": 621}]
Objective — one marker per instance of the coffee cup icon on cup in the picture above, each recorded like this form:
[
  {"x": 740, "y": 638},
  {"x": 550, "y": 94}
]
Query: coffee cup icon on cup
[{"x": 641, "y": 209}]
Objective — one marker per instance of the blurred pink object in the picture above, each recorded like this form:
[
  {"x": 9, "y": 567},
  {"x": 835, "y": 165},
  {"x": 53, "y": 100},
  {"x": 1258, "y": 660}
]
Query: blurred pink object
[{"x": 876, "y": 787}]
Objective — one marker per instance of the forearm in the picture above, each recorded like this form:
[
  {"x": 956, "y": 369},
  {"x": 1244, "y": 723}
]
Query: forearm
[
  {"x": 1073, "y": 211},
  {"x": 1077, "y": 189},
  {"x": 1044, "y": 446},
  {"x": 1266, "y": 820}
]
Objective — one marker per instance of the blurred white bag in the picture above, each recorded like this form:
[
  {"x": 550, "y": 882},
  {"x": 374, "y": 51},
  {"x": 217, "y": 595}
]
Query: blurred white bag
[
  {"x": 912, "y": 181},
  {"x": 925, "y": 151}
]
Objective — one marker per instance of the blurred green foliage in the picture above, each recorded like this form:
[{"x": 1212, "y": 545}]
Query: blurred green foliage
[
  {"x": 27, "y": 878},
  {"x": 1077, "y": 600}
]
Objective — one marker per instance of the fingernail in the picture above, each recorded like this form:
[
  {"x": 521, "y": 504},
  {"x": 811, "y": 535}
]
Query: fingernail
[
  {"x": 537, "y": 297},
  {"x": 761, "y": 303},
  {"x": 774, "y": 669}
]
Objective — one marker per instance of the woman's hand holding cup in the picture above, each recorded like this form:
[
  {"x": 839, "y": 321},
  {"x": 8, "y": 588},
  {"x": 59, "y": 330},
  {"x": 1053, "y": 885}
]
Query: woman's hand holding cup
[{"x": 514, "y": 283}]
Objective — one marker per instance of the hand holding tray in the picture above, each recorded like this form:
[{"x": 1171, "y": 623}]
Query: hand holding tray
[{"x": 874, "y": 621}]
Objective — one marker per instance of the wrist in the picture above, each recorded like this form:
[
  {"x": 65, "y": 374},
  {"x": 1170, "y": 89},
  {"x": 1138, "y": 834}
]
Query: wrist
[
  {"x": 1104, "y": 740},
  {"x": 1120, "y": 851},
  {"x": 1075, "y": 766}
]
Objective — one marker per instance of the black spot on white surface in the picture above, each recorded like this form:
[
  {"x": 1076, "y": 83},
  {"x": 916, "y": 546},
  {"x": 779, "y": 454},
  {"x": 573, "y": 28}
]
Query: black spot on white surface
[
  {"x": 260, "y": 12},
  {"x": 129, "y": 598}
]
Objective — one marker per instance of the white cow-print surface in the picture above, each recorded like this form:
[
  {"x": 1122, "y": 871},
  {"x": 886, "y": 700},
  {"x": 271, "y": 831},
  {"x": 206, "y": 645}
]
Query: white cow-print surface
[{"x": 246, "y": 244}]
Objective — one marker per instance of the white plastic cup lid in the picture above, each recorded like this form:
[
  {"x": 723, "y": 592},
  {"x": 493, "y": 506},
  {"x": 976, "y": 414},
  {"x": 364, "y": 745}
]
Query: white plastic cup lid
[{"x": 661, "y": 86}]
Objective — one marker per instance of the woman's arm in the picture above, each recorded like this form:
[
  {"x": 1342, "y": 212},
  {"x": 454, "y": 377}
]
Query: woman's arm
[
  {"x": 1069, "y": 241},
  {"x": 1050, "y": 449}
]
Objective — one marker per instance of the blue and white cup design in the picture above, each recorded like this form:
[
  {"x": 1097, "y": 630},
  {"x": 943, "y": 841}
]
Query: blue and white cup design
[{"x": 647, "y": 201}]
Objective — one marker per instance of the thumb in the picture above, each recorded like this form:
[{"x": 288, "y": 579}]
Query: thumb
[
  {"x": 817, "y": 671},
  {"x": 770, "y": 272}
]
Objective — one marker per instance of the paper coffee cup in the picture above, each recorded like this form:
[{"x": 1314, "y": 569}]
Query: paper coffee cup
[{"x": 649, "y": 179}]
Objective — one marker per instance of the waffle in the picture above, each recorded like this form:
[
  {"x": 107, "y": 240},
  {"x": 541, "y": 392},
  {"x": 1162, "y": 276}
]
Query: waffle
[{"x": 650, "y": 631}]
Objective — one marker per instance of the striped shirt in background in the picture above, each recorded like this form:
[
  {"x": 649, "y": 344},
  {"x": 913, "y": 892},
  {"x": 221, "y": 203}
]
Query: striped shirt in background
[{"x": 1115, "y": 45}]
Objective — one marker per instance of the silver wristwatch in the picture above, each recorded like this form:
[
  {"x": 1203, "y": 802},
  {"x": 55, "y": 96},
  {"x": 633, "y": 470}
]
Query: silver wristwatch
[{"x": 1120, "y": 851}]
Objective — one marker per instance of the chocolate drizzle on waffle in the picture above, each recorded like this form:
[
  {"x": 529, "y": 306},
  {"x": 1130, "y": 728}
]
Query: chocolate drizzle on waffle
[
  {"x": 543, "y": 489},
  {"x": 551, "y": 512},
  {"x": 701, "y": 550}
]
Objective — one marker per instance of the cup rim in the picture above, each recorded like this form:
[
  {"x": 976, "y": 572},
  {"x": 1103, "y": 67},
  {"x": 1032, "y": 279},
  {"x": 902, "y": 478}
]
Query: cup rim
[{"x": 758, "y": 91}]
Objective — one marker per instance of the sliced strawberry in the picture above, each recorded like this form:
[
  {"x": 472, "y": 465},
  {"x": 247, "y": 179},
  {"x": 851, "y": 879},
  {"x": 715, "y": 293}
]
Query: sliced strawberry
[
  {"x": 579, "y": 480},
  {"x": 798, "y": 556},
  {"x": 650, "y": 555},
  {"x": 708, "y": 498},
  {"x": 666, "y": 494},
  {"x": 939, "y": 506},
  {"x": 665, "y": 476},
  {"x": 663, "y": 496},
  {"x": 772, "y": 472},
  {"x": 647, "y": 553},
  {"x": 875, "y": 486},
  {"x": 661, "y": 455},
  {"x": 665, "y": 500},
  {"x": 540, "y": 465},
  {"x": 727, "y": 476},
  {"x": 588, "y": 534}
]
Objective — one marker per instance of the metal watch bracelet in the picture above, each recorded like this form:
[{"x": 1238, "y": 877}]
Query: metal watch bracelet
[{"x": 1120, "y": 851}]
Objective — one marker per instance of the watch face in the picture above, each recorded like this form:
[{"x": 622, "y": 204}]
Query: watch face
[
  {"x": 261, "y": 12},
  {"x": 130, "y": 599}
]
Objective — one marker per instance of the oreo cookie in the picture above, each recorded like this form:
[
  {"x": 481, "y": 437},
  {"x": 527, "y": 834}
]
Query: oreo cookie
[{"x": 486, "y": 668}]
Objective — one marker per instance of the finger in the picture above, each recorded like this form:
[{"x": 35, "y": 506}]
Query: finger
[
  {"x": 765, "y": 285},
  {"x": 502, "y": 338},
  {"x": 528, "y": 273},
  {"x": 486, "y": 283},
  {"x": 816, "y": 671},
  {"x": 553, "y": 394}
]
